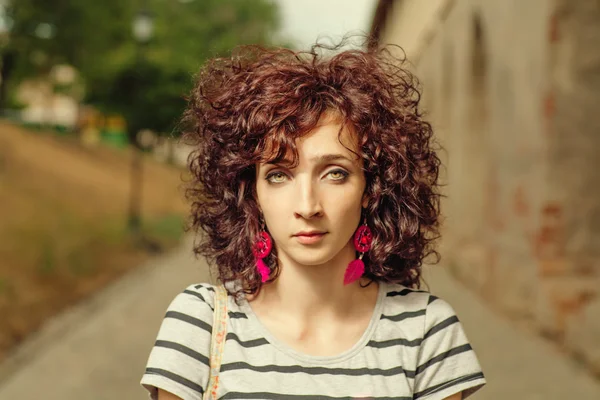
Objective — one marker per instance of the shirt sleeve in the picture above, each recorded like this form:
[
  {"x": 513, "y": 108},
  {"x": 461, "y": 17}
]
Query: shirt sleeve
[
  {"x": 446, "y": 364},
  {"x": 179, "y": 360}
]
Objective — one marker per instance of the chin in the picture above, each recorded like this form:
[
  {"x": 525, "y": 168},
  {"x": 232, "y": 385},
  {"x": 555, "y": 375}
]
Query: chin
[{"x": 312, "y": 259}]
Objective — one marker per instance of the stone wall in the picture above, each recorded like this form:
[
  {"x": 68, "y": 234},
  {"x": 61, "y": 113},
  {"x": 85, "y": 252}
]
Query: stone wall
[{"x": 513, "y": 90}]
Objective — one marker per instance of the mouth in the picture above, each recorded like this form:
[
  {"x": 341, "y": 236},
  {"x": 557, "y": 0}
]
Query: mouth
[
  {"x": 310, "y": 237},
  {"x": 309, "y": 233}
]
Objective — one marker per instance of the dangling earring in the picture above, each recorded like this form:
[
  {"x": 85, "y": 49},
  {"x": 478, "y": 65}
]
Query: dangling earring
[
  {"x": 261, "y": 249},
  {"x": 362, "y": 243}
]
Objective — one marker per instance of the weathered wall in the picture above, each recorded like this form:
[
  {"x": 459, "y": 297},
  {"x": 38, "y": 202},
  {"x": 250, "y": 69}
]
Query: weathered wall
[
  {"x": 570, "y": 266},
  {"x": 513, "y": 89}
]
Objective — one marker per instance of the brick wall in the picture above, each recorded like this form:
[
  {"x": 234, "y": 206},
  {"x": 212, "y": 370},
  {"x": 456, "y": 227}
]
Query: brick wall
[
  {"x": 569, "y": 236},
  {"x": 513, "y": 88}
]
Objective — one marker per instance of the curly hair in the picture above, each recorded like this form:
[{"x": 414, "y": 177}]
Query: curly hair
[{"x": 266, "y": 98}]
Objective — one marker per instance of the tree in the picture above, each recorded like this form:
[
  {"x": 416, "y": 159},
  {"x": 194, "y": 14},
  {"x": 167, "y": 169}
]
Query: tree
[
  {"x": 42, "y": 34},
  {"x": 149, "y": 90},
  {"x": 95, "y": 37}
]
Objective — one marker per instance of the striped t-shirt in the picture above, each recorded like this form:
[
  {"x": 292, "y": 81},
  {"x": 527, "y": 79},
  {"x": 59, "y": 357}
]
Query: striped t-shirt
[{"x": 413, "y": 348}]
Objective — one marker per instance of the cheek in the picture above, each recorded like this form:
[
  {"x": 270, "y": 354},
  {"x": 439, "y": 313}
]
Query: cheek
[
  {"x": 344, "y": 208},
  {"x": 262, "y": 195},
  {"x": 349, "y": 198},
  {"x": 274, "y": 204}
]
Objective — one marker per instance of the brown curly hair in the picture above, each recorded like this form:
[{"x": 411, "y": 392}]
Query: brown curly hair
[{"x": 259, "y": 97}]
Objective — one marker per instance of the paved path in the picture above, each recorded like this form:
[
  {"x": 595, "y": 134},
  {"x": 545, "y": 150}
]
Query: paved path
[
  {"x": 97, "y": 351},
  {"x": 517, "y": 364}
]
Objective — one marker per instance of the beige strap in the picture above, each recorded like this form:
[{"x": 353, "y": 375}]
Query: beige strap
[{"x": 217, "y": 343}]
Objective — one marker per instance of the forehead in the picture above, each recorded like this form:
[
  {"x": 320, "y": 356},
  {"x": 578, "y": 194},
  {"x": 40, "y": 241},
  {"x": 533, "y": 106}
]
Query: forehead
[{"x": 330, "y": 136}]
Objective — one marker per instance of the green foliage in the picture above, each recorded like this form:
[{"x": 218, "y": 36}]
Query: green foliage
[
  {"x": 75, "y": 32},
  {"x": 144, "y": 83},
  {"x": 170, "y": 226},
  {"x": 148, "y": 96},
  {"x": 47, "y": 261}
]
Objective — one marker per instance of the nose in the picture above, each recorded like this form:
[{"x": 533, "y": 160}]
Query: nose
[{"x": 308, "y": 203}]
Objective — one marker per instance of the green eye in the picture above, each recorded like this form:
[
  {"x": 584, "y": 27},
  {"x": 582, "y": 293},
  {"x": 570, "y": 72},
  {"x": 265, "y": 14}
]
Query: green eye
[
  {"x": 276, "y": 177},
  {"x": 338, "y": 175}
]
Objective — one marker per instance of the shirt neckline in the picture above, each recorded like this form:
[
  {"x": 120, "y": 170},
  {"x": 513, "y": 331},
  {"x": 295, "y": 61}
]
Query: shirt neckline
[{"x": 319, "y": 360}]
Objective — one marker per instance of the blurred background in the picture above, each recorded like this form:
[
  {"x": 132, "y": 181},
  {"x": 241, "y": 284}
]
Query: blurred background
[{"x": 91, "y": 170}]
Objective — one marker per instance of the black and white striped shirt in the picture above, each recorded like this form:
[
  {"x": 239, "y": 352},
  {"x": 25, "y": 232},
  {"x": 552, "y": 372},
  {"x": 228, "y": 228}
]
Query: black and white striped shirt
[{"x": 413, "y": 348}]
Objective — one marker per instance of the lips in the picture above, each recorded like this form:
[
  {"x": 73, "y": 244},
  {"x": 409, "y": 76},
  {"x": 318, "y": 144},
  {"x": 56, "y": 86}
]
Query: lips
[
  {"x": 310, "y": 237},
  {"x": 310, "y": 233}
]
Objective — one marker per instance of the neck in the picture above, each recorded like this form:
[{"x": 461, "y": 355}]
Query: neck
[{"x": 317, "y": 292}]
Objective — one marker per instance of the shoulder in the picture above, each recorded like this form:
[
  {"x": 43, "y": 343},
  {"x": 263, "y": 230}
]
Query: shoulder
[
  {"x": 420, "y": 302},
  {"x": 194, "y": 305},
  {"x": 400, "y": 295},
  {"x": 196, "y": 295},
  {"x": 419, "y": 296},
  {"x": 444, "y": 360},
  {"x": 179, "y": 359}
]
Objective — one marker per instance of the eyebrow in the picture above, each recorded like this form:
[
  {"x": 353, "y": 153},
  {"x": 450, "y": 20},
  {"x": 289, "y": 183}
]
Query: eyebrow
[{"x": 322, "y": 158}]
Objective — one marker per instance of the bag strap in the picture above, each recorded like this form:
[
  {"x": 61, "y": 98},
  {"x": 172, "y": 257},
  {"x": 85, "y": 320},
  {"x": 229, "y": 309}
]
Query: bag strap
[{"x": 217, "y": 343}]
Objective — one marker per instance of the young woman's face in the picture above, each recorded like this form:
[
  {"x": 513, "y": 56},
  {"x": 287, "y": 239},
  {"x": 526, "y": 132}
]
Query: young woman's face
[{"x": 324, "y": 193}]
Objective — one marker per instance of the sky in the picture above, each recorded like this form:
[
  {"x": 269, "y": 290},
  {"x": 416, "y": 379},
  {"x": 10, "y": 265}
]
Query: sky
[{"x": 304, "y": 20}]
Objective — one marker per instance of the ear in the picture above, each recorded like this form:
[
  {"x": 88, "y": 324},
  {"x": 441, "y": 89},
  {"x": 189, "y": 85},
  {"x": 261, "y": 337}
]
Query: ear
[{"x": 365, "y": 201}]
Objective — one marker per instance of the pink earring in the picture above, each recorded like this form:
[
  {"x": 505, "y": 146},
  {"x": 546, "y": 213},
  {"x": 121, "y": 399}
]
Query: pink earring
[
  {"x": 261, "y": 249},
  {"x": 362, "y": 242}
]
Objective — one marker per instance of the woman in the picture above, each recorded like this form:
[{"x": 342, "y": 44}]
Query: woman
[{"x": 315, "y": 184}]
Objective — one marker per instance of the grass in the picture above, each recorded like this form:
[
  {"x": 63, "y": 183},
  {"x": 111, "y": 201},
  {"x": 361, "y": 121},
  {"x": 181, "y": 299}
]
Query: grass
[
  {"x": 63, "y": 234},
  {"x": 168, "y": 227}
]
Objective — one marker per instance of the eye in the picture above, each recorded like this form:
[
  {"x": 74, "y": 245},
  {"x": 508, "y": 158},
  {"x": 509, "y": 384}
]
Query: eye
[
  {"x": 275, "y": 177},
  {"x": 338, "y": 174}
]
